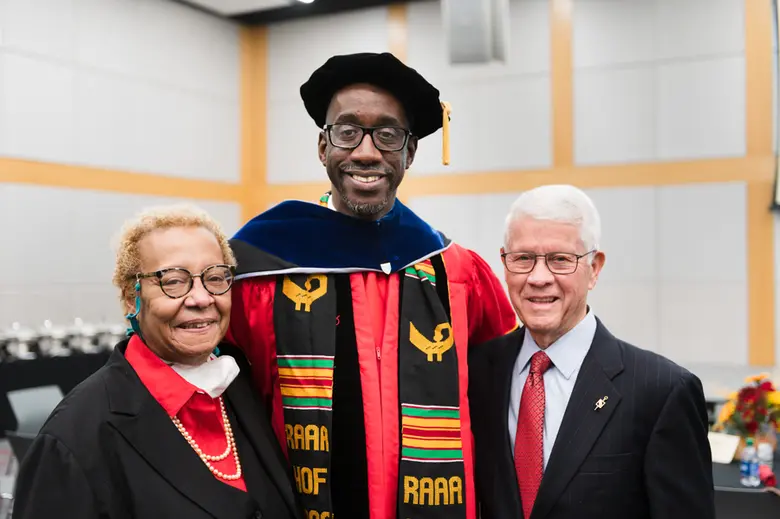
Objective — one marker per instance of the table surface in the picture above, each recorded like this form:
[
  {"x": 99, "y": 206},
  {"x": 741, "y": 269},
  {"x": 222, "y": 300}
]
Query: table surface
[{"x": 727, "y": 475}]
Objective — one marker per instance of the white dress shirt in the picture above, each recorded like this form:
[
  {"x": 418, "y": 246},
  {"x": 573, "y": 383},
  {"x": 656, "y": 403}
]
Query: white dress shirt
[{"x": 566, "y": 354}]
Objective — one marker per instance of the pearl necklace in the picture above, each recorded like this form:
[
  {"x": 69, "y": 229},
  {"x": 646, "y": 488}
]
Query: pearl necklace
[{"x": 206, "y": 458}]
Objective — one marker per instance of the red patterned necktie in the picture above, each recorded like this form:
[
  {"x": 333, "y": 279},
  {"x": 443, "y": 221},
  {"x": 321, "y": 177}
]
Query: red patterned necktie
[{"x": 529, "y": 451}]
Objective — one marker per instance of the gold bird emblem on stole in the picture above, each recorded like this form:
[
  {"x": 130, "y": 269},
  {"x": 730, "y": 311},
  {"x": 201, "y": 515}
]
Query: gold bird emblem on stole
[
  {"x": 303, "y": 298},
  {"x": 437, "y": 347}
]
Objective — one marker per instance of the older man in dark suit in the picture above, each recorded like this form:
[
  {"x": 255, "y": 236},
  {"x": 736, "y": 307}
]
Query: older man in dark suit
[{"x": 569, "y": 421}]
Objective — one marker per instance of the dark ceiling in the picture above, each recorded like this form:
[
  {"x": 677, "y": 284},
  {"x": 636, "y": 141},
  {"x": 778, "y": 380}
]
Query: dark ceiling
[
  {"x": 301, "y": 10},
  {"x": 318, "y": 7}
]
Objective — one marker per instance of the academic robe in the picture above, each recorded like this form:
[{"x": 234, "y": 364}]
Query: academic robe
[{"x": 365, "y": 444}]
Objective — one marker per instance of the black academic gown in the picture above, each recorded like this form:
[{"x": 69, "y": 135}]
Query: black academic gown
[{"x": 109, "y": 450}]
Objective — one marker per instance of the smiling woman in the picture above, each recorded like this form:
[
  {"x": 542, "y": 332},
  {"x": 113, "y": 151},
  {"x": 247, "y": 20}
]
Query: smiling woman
[
  {"x": 160, "y": 256},
  {"x": 166, "y": 428}
]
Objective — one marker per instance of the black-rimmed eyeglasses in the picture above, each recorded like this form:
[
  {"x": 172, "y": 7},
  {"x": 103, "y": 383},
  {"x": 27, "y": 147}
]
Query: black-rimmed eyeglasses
[
  {"x": 176, "y": 282},
  {"x": 349, "y": 136},
  {"x": 557, "y": 262}
]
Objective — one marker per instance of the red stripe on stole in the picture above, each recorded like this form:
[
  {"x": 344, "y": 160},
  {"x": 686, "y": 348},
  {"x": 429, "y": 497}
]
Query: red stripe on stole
[
  {"x": 322, "y": 382},
  {"x": 431, "y": 433}
]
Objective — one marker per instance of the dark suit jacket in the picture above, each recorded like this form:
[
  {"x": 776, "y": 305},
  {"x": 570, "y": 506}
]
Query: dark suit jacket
[
  {"x": 109, "y": 450},
  {"x": 645, "y": 454}
]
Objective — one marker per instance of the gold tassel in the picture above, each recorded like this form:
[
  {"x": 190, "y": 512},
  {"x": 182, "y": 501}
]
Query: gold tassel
[{"x": 445, "y": 133}]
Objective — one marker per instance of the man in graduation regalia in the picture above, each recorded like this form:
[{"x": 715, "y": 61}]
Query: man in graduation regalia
[{"x": 357, "y": 315}]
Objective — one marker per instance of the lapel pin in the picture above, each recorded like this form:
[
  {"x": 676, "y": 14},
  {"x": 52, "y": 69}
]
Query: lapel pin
[{"x": 601, "y": 403}]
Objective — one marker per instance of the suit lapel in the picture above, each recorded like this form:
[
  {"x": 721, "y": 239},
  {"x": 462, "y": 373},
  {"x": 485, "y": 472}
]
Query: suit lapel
[
  {"x": 582, "y": 422},
  {"x": 248, "y": 412},
  {"x": 504, "y": 367},
  {"x": 149, "y": 430}
]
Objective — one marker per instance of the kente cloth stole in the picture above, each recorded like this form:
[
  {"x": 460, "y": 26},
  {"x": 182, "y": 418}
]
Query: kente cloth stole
[{"x": 431, "y": 480}]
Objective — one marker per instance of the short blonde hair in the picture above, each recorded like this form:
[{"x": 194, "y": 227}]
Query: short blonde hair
[{"x": 128, "y": 259}]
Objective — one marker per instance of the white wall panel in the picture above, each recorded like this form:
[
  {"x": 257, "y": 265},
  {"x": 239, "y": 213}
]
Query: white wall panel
[
  {"x": 703, "y": 323},
  {"x": 109, "y": 126},
  {"x": 694, "y": 28},
  {"x": 701, "y": 109},
  {"x": 658, "y": 80},
  {"x": 185, "y": 132},
  {"x": 292, "y": 144},
  {"x": 703, "y": 273},
  {"x": 60, "y": 250},
  {"x": 457, "y": 216},
  {"x": 702, "y": 233},
  {"x": 106, "y": 36},
  {"x": 36, "y": 109},
  {"x": 610, "y": 32},
  {"x": 513, "y": 126},
  {"x": 159, "y": 41},
  {"x": 629, "y": 233},
  {"x": 614, "y": 112},
  {"x": 615, "y": 32},
  {"x": 43, "y": 27},
  {"x": 134, "y": 121},
  {"x": 629, "y": 310},
  {"x": 150, "y": 86},
  {"x": 189, "y": 49},
  {"x": 296, "y": 49}
]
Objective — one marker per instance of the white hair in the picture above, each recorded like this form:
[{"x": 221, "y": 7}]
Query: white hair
[{"x": 559, "y": 203}]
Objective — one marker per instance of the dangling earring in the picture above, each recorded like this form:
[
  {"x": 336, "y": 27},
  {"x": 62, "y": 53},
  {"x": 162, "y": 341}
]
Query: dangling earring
[{"x": 133, "y": 317}]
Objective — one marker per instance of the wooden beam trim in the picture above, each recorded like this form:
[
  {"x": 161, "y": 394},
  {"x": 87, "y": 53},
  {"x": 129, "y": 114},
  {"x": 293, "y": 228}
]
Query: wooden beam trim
[
  {"x": 758, "y": 77},
  {"x": 761, "y": 274},
  {"x": 562, "y": 93},
  {"x": 624, "y": 175},
  {"x": 759, "y": 120},
  {"x": 397, "y": 30},
  {"x": 254, "y": 146},
  {"x": 17, "y": 171}
]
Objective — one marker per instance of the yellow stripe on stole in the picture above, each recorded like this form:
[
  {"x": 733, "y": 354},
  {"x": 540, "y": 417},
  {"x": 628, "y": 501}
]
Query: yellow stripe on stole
[
  {"x": 439, "y": 423},
  {"x": 428, "y": 269},
  {"x": 432, "y": 444},
  {"x": 306, "y": 372},
  {"x": 308, "y": 391}
]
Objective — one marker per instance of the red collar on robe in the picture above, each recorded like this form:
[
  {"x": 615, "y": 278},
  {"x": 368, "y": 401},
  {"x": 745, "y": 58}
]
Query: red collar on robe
[{"x": 170, "y": 390}]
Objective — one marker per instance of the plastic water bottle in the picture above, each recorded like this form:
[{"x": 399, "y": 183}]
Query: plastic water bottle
[
  {"x": 749, "y": 465},
  {"x": 766, "y": 454}
]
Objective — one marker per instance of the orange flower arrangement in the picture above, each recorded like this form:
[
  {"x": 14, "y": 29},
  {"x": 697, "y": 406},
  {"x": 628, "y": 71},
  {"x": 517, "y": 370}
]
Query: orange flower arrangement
[{"x": 754, "y": 405}]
